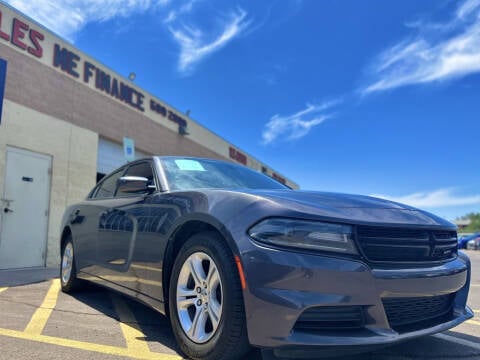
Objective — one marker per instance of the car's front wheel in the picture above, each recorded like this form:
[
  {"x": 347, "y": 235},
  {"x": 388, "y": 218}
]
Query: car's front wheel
[{"x": 206, "y": 301}]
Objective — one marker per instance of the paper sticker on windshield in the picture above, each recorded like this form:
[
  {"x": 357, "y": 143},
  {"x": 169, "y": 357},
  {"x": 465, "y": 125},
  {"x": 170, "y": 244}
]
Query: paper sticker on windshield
[{"x": 187, "y": 164}]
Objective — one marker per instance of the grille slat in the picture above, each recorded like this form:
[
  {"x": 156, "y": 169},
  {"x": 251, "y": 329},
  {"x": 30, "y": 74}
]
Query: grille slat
[
  {"x": 442, "y": 240},
  {"x": 406, "y": 245},
  {"x": 408, "y": 312}
]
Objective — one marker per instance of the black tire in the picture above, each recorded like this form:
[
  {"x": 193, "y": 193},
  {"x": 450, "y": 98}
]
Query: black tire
[
  {"x": 229, "y": 341},
  {"x": 73, "y": 283}
]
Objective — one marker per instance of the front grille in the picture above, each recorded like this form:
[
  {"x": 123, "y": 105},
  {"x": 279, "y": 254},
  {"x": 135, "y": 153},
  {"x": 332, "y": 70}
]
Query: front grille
[
  {"x": 331, "y": 318},
  {"x": 406, "y": 245},
  {"x": 417, "y": 312}
]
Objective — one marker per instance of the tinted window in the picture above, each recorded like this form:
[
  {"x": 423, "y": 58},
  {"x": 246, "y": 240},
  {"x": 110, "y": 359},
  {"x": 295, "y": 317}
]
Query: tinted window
[
  {"x": 108, "y": 186},
  {"x": 143, "y": 169},
  {"x": 185, "y": 174}
]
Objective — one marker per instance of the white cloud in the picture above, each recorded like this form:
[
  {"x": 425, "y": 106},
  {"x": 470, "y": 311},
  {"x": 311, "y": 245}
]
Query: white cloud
[
  {"x": 435, "y": 199},
  {"x": 183, "y": 9},
  {"x": 468, "y": 7},
  {"x": 68, "y": 17},
  {"x": 436, "y": 53},
  {"x": 296, "y": 125},
  {"x": 195, "y": 44}
]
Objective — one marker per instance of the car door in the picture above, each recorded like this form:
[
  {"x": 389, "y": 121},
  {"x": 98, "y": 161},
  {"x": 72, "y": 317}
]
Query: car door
[
  {"x": 121, "y": 237},
  {"x": 85, "y": 225},
  {"x": 86, "y": 216}
]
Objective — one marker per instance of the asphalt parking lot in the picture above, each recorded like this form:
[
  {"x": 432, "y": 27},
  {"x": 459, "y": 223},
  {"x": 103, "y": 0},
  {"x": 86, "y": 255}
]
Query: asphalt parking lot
[{"x": 38, "y": 321}]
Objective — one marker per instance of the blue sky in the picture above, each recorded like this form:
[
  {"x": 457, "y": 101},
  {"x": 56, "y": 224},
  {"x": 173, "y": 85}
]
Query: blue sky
[{"x": 373, "y": 97}]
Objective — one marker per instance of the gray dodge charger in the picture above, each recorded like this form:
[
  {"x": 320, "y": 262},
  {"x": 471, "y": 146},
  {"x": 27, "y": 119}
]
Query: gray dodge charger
[{"x": 236, "y": 259}]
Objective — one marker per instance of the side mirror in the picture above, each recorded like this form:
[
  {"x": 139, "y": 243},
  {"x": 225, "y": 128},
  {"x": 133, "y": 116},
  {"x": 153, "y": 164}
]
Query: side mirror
[{"x": 134, "y": 185}]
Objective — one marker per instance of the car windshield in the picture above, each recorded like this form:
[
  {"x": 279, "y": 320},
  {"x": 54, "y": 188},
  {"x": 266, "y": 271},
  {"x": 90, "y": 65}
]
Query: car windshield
[{"x": 187, "y": 174}]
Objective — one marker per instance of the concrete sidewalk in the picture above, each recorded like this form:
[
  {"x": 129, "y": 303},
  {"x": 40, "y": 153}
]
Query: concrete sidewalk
[{"x": 16, "y": 277}]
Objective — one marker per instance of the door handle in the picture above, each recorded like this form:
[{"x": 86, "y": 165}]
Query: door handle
[{"x": 7, "y": 210}]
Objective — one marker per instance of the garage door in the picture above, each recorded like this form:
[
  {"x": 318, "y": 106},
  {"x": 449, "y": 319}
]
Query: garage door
[{"x": 110, "y": 156}]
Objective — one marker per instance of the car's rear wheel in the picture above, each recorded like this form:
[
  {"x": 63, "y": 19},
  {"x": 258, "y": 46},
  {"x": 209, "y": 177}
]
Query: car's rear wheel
[
  {"x": 68, "y": 271},
  {"x": 206, "y": 301}
]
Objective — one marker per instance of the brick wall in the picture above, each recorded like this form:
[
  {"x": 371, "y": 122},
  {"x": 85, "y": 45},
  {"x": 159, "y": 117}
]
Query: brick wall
[{"x": 36, "y": 86}]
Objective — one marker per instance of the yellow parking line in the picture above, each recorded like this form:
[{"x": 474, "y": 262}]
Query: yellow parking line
[
  {"x": 131, "y": 330},
  {"x": 104, "y": 349},
  {"x": 473, "y": 322},
  {"x": 41, "y": 315},
  {"x": 3, "y": 289}
]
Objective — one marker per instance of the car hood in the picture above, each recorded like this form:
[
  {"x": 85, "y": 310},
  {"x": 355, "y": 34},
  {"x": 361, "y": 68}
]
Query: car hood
[
  {"x": 334, "y": 200},
  {"x": 347, "y": 207}
]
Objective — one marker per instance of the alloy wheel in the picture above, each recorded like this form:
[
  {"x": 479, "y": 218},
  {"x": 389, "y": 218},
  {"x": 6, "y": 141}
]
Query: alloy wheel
[
  {"x": 67, "y": 263},
  {"x": 199, "y": 297}
]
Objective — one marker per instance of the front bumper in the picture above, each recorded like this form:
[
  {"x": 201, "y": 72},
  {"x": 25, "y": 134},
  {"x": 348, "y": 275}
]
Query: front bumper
[{"x": 283, "y": 284}]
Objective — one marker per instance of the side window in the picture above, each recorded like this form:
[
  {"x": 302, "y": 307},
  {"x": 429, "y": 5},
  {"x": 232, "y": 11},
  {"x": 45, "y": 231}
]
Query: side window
[
  {"x": 143, "y": 169},
  {"x": 108, "y": 186},
  {"x": 92, "y": 193}
]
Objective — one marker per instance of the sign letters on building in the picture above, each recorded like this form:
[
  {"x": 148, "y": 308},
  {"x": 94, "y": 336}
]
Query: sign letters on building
[
  {"x": 25, "y": 37},
  {"x": 3, "y": 77}
]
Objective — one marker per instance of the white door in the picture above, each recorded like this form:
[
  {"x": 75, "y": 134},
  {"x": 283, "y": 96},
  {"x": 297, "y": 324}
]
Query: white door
[{"x": 24, "y": 209}]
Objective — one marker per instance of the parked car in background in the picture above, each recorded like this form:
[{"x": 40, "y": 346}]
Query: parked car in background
[
  {"x": 236, "y": 259},
  {"x": 463, "y": 240},
  {"x": 474, "y": 244}
]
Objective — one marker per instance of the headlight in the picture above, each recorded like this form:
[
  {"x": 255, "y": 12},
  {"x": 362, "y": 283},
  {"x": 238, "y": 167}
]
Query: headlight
[{"x": 311, "y": 235}]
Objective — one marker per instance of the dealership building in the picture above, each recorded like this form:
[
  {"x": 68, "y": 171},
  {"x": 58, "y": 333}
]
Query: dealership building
[{"x": 65, "y": 121}]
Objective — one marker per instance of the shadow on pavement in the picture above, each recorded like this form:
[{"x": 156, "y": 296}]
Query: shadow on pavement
[
  {"x": 428, "y": 347},
  {"x": 474, "y": 339},
  {"x": 154, "y": 325}
]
